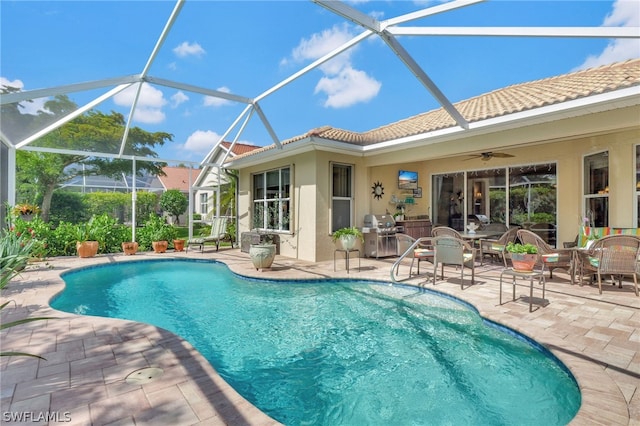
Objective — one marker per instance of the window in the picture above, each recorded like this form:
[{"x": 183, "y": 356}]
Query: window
[
  {"x": 204, "y": 203},
  {"x": 341, "y": 196},
  {"x": 596, "y": 188},
  {"x": 523, "y": 195},
  {"x": 272, "y": 200}
]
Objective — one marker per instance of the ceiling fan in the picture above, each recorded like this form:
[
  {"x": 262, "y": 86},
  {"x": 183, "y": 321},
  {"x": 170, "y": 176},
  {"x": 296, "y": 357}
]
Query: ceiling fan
[{"x": 486, "y": 156}]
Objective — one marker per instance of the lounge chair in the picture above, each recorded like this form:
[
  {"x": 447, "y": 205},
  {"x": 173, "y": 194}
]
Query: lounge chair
[{"x": 218, "y": 232}]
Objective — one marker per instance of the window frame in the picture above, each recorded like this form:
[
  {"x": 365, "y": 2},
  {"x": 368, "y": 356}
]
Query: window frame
[
  {"x": 204, "y": 203},
  {"x": 600, "y": 195},
  {"x": 261, "y": 205},
  {"x": 350, "y": 199}
]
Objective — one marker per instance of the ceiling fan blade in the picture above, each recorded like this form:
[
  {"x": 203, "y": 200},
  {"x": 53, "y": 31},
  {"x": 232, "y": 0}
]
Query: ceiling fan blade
[{"x": 501, "y": 155}]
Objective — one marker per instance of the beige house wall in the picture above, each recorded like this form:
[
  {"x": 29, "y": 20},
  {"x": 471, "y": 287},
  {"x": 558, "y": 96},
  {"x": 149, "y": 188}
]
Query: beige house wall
[{"x": 564, "y": 142}]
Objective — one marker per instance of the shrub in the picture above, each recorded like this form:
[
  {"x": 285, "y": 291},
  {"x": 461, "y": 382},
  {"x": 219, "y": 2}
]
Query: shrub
[
  {"x": 174, "y": 202},
  {"x": 155, "y": 229},
  {"x": 36, "y": 230},
  {"x": 68, "y": 206}
]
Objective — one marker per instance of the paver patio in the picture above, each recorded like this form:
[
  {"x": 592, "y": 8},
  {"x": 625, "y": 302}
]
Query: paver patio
[{"x": 82, "y": 380}]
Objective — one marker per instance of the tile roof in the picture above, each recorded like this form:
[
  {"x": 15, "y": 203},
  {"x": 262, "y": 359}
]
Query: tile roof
[
  {"x": 240, "y": 148},
  {"x": 501, "y": 102},
  {"x": 178, "y": 178}
]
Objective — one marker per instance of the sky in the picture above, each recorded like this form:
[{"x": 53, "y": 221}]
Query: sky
[{"x": 247, "y": 47}]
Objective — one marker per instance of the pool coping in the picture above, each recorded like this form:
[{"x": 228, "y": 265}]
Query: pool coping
[{"x": 602, "y": 399}]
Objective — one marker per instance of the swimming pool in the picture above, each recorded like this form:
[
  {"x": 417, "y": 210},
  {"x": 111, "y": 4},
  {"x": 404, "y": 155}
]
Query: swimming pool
[{"x": 336, "y": 352}]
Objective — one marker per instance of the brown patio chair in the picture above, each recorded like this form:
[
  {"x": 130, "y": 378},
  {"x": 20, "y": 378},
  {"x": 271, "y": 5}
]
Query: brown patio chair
[
  {"x": 616, "y": 255},
  {"x": 553, "y": 258},
  {"x": 494, "y": 247}
]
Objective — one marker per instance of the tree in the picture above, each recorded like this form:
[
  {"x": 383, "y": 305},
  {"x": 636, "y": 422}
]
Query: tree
[
  {"x": 95, "y": 131},
  {"x": 174, "y": 202}
]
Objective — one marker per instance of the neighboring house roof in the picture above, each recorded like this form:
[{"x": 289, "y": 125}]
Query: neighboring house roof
[
  {"x": 498, "y": 103},
  {"x": 178, "y": 178},
  {"x": 216, "y": 156},
  {"x": 240, "y": 148}
]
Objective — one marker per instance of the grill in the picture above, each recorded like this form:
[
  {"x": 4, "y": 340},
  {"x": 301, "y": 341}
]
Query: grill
[{"x": 379, "y": 235}]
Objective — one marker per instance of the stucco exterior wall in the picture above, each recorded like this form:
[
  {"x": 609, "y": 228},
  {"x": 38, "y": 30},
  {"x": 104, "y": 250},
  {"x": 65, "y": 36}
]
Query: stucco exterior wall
[{"x": 564, "y": 142}]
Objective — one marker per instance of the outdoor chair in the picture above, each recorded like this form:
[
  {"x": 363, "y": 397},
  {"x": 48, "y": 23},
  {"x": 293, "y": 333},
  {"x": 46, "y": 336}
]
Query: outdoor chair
[
  {"x": 494, "y": 228},
  {"x": 441, "y": 231},
  {"x": 218, "y": 233},
  {"x": 453, "y": 251},
  {"x": 614, "y": 255},
  {"x": 495, "y": 247},
  {"x": 553, "y": 258}
]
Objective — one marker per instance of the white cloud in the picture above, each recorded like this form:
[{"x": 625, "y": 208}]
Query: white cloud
[
  {"x": 32, "y": 107},
  {"x": 201, "y": 141},
  {"x": 150, "y": 102},
  {"x": 343, "y": 84},
  {"x": 187, "y": 49},
  {"x": 347, "y": 88},
  {"x": 217, "y": 102},
  {"x": 178, "y": 98},
  {"x": 625, "y": 13}
]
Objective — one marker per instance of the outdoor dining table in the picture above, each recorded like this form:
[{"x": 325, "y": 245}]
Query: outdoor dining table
[{"x": 475, "y": 235}]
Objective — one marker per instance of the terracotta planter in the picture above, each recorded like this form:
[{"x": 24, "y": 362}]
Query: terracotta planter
[
  {"x": 160, "y": 246},
  {"x": 178, "y": 245},
  {"x": 523, "y": 262},
  {"x": 87, "y": 248},
  {"x": 130, "y": 248},
  {"x": 262, "y": 255}
]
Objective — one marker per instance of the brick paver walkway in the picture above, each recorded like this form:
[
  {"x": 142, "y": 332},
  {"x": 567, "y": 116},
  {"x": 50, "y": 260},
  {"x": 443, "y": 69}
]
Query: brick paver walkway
[{"x": 82, "y": 380}]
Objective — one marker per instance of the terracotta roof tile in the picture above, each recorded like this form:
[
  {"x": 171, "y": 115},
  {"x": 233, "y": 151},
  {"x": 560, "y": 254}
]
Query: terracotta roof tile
[
  {"x": 178, "y": 178},
  {"x": 240, "y": 148},
  {"x": 501, "y": 102}
]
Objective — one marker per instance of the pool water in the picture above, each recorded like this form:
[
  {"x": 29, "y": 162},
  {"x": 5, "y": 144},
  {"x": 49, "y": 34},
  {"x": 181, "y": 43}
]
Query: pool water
[{"x": 337, "y": 352}]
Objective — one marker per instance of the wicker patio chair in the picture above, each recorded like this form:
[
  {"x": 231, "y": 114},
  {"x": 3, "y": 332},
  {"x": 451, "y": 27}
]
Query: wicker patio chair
[
  {"x": 617, "y": 255},
  {"x": 445, "y": 231},
  {"x": 494, "y": 247},
  {"x": 553, "y": 258},
  {"x": 453, "y": 251}
]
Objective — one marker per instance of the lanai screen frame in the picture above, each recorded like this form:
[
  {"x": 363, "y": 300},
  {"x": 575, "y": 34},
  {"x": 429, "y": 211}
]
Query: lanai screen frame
[{"x": 387, "y": 30}]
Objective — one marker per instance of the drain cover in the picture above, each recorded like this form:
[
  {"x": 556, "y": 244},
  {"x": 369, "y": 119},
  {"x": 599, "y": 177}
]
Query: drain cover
[{"x": 144, "y": 375}]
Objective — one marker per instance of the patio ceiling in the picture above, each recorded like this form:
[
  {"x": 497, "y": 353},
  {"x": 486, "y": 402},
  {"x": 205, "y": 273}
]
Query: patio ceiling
[{"x": 390, "y": 31}]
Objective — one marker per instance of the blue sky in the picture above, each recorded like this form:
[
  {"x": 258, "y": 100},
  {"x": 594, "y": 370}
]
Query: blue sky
[{"x": 245, "y": 48}]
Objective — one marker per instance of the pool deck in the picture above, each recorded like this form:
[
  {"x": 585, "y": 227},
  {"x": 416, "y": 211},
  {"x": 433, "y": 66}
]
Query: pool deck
[{"x": 82, "y": 380}]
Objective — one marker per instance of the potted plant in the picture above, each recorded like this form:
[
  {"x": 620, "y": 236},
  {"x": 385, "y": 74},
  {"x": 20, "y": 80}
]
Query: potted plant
[
  {"x": 25, "y": 211},
  {"x": 347, "y": 237},
  {"x": 160, "y": 233},
  {"x": 178, "y": 244},
  {"x": 86, "y": 244},
  {"x": 130, "y": 247},
  {"x": 263, "y": 254},
  {"x": 523, "y": 256}
]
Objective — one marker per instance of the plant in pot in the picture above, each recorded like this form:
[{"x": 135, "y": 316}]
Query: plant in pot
[
  {"x": 130, "y": 247},
  {"x": 160, "y": 233},
  {"x": 86, "y": 243},
  {"x": 263, "y": 254},
  {"x": 523, "y": 256},
  {"x": 26, "y": 211},
  {"x": 347, "y": 237}
]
